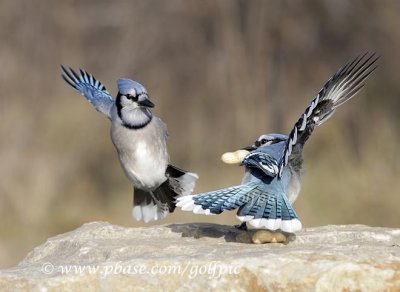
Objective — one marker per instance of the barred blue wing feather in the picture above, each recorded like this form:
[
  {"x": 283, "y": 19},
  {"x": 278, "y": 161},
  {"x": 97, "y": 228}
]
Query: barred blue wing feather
[
  {"x": 225, "y": 199},
  {"x": 257, "y": 204},
  {"x": 268, "y": 164},
  {"x": 340, "y": 88},
  {"x": 268, "y": 205},
  {"x": 94, "y": 91}
]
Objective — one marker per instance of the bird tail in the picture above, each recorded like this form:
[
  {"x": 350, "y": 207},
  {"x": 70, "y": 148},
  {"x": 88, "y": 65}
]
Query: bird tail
[
  {"x": 181, "y": 181},
  {"x": 156, "y": 204},
  {"x": 258, "y": 206},
  {"x": 153, "y": 205},
  {"x": 340, "y": 88}
]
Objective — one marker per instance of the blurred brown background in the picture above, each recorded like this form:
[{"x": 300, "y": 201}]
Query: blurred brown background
[{"x": 221, "y": 73}]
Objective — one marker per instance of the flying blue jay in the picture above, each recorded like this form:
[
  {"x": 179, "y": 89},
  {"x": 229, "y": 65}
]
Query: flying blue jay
[
  {"x": 140, "y": 139},
  {"x": 274, "y": 164}
]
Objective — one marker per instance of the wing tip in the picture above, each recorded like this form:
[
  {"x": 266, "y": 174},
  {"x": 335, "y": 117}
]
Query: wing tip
[{"x": 73, "y": 78}]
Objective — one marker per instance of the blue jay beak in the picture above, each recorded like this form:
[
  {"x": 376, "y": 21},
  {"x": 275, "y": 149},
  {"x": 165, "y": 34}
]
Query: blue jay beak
[
  {"x": 146, "y": 102},
  {"x": 250, "y": 148}
]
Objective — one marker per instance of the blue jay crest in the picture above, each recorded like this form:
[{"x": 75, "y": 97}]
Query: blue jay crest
[{"x": 130, "y": 86}]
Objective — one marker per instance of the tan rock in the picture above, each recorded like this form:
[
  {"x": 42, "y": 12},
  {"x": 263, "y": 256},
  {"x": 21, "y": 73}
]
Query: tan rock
[{"x": 201, "y": 256}]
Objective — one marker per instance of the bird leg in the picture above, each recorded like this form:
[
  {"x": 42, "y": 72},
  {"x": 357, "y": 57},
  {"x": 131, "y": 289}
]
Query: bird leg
[{"x": 242, "y": 226}]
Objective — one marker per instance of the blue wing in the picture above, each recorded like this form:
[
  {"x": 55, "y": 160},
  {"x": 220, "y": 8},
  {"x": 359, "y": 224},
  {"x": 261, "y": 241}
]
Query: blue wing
[
  {"x": 91, "y": 88},
  {"x": 224, "y": 199},
  {"x": 258, "y": 204},
  {"x": 341, "y": 87},
  {"x": 263, "y": 161}
]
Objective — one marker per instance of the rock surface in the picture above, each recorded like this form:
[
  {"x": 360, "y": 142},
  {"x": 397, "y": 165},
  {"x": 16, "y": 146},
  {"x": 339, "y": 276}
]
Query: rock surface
[{"x": 182, "y": 257}]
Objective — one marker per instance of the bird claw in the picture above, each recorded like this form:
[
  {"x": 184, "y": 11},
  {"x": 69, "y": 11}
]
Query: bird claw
[
  {"x": 241, "y": 226},
  {"x": 266, "y": 236}
]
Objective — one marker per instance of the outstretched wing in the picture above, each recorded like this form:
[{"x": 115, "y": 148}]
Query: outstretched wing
[
  {"x": 268, "y": 164},
  {"x": 341, "y": 87},
  {"x": 258, "y": 204},
  {"x": 91, "y": 88}
]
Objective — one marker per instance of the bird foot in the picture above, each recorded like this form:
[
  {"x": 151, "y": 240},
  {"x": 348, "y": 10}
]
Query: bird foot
[
  {"x": 242, "y": 226},
  {"x": 266, "y": 236}
]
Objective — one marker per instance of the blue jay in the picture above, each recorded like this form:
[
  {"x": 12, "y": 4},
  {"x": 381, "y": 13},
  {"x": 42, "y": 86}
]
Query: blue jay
[
  {"x": 140, "y": 139},
  {"x": 274, "y": 163}
]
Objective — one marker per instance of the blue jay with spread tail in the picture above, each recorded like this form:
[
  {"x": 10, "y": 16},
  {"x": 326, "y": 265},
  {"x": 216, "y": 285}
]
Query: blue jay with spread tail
[
  {"x": 274, "y": 163},
  {"x": 141, "y": 142}
]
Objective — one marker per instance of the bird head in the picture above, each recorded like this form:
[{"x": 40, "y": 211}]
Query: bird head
[
  {"x": 133, "y": 94},
  {"x": 269, "y": 139},
  {"x": 264, "y": 140},
  {"x": 133, "y": 104}
]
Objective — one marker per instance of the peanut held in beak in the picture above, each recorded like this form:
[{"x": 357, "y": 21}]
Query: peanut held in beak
[{"x": 234, "y": 157}]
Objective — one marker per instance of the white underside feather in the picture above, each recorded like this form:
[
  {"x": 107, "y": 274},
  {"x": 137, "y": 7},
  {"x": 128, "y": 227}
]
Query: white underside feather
[
  {"x": 290, "y": 226},
  {"x": 148, "y": 212}
]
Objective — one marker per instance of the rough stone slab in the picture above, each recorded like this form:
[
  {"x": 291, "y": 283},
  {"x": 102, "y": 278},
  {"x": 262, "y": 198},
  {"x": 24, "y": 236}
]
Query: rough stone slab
[{"x": 201, "y": 256}]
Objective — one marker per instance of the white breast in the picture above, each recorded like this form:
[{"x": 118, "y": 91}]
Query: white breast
[
  {"x": 142, "y": 153},
  {"x": 148, "y": 167}
]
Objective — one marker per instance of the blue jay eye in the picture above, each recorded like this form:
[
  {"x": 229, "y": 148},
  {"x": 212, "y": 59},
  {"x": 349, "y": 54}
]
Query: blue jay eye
[
  {"x": 132, "y": 97},
  {"x": 263, "y": 141}
]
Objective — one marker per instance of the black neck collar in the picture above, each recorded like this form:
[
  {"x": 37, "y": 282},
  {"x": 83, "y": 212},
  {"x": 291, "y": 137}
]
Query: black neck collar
[{"x": 131, "y": 126}]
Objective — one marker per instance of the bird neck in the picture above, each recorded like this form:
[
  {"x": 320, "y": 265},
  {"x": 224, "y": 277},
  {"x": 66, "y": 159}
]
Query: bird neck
[{"x": 135, "y": 118}]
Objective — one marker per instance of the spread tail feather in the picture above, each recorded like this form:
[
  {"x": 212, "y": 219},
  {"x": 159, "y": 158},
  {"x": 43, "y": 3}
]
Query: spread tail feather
[
  {"x": 256, "y": 204},
  {"x": 181, "y": 181},
  {"x": 155, "y": 205}
]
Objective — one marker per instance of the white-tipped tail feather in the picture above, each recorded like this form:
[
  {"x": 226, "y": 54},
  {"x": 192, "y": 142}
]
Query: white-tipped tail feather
[
  {"x": 186, "y": 203},
  {"x": 290, "y": 226},
  {"x": 184, "y": 185},
  {"x": 199, "y": 210},
  {"x": 148, "y": 212},
  {"x": 245, "y": 218}
]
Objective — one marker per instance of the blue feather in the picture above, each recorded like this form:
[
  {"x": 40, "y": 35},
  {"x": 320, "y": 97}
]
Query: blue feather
[
  {"x": 91, "y": 88},
  {"x": 253, "y": 199},
  {"x": 126, "y": 86}
]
